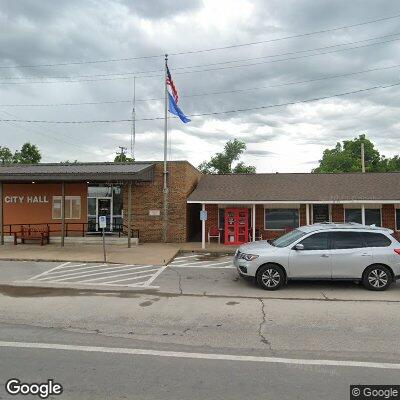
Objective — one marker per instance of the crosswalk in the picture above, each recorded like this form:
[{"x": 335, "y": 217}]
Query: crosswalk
[
  {"x": 203, "y": 260},
  {"x": 101, "y": 274}
]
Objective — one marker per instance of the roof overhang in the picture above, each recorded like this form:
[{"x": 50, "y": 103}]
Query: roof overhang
[
  {"x": 293, "y": 202},
  {"x": 70, "y": 173}
]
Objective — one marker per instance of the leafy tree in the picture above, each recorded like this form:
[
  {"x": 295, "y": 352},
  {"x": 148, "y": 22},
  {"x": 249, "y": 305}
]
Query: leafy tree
[
  {"x": 6, "y": 157},
  {"x": 221, "y": 163},
  {"x": 29, "y": 154},
  {"x": 123, "y": 158},
  {"x": 346, "y": 157},
  {"x": 68, "y": 162}
]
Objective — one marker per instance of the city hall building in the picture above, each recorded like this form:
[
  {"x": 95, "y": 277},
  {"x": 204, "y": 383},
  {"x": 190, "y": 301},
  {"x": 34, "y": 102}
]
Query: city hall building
[
  {"x": 129, "y": 195},
  {"x": 68, "y": 199}
]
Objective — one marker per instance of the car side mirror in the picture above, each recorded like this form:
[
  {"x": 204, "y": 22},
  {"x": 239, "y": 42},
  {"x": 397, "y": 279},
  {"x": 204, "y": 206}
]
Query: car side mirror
[{"x": 299, "y": 246}]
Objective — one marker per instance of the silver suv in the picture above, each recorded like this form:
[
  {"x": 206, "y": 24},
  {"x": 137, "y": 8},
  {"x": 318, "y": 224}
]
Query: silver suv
[{"x": 323, "y": 251}]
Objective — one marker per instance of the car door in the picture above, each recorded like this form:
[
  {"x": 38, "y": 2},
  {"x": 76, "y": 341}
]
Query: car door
[
  {"x": 349, "y": 255},
  {"x": 314, "y": 260}
]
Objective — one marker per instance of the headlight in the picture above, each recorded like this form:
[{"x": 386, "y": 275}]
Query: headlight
[{"x": 248, "y": 257}]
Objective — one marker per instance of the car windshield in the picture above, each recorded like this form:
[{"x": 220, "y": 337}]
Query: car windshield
[{"x": 288, "y": 238}]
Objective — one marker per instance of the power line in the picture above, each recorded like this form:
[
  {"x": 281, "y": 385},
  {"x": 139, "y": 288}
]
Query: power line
[
  {"x": 286, "y": 37},
  {"x": 285, "y": 59},
  {"x": 209, "y": 113},
  {"x": 45, "y": 134},
  {"x": 205, "y": 50},
  {"x": 205, "y": 70},
  {"x": 209, "y": 93},
  {"x": 122, "y": 75}
]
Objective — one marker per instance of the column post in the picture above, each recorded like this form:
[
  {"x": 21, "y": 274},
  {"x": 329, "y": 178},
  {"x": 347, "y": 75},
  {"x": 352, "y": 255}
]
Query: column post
[
  {"x": 254, "y": 222},
  {"x": 203, "y": 228},
  {"x": 1, "y": 215},
  {"x": 129, "y": 213},
  {"x": 307, "y": 214},
  {"x": 62, "y": 214},
  {"x": 363, "y": 214}
]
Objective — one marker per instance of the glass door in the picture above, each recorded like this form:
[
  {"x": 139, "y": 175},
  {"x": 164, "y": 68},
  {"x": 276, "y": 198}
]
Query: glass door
[{"x": 104, "y": 209}]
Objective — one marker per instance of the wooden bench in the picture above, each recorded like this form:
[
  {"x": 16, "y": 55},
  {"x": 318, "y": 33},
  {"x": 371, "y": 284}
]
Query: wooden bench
[{"x": 40, "y": 233}]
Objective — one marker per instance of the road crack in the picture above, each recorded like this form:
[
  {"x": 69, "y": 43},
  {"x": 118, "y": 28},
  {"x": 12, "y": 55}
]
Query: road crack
[
  {"x": 263, "y": 338},
  {"x": 179, "y": 279}
]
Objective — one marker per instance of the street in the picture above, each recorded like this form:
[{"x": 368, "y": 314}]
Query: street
[{"x": 167, "y": 342}]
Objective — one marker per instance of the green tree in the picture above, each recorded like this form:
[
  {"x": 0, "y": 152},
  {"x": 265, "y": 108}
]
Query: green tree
[
  {"x": 346, "y": 157},
  {"x": 123, "y": 158},
  {"x": 29, "y": 154},
  {"x": 221, "y": 163},
  {"x": 6, "y": 157}
]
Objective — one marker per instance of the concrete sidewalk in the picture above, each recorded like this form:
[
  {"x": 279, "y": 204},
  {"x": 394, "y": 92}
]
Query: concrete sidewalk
[{"x": 147, "y": 253}]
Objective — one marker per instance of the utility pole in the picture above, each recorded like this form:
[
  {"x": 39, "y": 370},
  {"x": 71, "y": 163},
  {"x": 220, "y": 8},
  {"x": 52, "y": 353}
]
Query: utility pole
[
  {"x": 362, "y": 158},
  {"x": 165, "y": 189},
  {"x": 133, "y": 132}
]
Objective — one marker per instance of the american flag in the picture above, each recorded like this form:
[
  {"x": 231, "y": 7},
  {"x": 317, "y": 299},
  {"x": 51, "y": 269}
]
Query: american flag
[{"x": 170, "y": 82}]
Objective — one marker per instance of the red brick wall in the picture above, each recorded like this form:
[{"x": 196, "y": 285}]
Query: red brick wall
[
  {"x": 337, "y": 213},
  {"x": 146, "y": 196},
  {"x": 212, "y": 217},
  {"x": 388, "y": 216},
  {"x": 303, "y": 216}
]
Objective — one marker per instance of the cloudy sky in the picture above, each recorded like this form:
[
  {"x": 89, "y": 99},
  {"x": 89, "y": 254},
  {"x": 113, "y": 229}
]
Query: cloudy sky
[{"x": 57, "y": 56}]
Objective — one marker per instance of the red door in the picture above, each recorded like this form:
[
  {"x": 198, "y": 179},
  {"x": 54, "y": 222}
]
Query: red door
[{"x": 236, "y": 226}]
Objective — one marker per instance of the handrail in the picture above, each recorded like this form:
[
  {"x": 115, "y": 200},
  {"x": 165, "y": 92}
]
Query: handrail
[{"x": 56, "y": 227}]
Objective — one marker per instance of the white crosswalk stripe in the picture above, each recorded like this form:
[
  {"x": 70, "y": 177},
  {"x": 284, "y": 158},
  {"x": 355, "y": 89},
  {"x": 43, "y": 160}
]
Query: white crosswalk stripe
[
  {"x": 203, "y": 260},
  {"x": 101, "y": 274}
]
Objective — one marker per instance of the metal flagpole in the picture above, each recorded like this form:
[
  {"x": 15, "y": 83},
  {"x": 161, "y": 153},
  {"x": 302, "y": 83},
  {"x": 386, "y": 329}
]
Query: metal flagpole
[{"x": 165, "y": 190}]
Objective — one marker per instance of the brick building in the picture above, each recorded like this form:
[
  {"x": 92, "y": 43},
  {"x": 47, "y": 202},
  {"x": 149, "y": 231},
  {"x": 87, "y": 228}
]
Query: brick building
[
  {"x": 249, "y": 207},
  {"x": 68, "y": 199}
]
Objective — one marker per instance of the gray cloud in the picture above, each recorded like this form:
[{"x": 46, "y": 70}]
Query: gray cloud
[{"x": 48, "y": 32}]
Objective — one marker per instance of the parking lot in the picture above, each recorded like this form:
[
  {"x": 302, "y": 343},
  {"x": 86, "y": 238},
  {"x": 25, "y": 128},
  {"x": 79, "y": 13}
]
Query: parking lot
[{"x": 200, "y": 274}]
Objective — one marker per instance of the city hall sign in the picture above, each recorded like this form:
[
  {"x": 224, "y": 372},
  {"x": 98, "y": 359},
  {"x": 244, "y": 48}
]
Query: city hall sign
[{"x": 25, "y": 199}]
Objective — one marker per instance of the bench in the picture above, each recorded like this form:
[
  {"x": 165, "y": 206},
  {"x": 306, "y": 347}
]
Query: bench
[{"x": 40, "y": 233}]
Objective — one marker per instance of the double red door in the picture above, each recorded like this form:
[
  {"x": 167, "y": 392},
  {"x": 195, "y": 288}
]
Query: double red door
[{"x": 236, "y": 226}]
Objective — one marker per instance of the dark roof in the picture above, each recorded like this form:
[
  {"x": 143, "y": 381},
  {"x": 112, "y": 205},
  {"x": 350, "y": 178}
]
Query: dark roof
[
  {"x": 299, "y": 187},
  {"x": 77, "y": 171}
]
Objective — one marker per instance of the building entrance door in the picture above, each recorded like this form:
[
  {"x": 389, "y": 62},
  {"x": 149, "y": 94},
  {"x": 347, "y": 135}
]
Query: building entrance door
[
  {"x": 236, "y": 226},
  {"x": 104, "y": 209}
]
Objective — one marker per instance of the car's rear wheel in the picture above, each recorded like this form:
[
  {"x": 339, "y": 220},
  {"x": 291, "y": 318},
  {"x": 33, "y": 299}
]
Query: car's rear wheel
[
  {"x": 270, "y": 277},
  {"x": 377, "y": 277}
]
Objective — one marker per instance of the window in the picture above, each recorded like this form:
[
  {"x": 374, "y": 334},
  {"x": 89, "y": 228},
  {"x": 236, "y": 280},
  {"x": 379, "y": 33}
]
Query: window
[
  {"x": 281, "y": 218},
  {"x": 353, "y": 215},
  {"x": 397, "y": 219},
  {"x": 72, "y": 207},
  {"x": 288, "y": 238},
  {"x": 346, "y": 240},
  {"x": 318, "y": 241},
  {"x": 373, "y": 239},
  {"x": 221, "y": 218},
  {"x": 372, "y": 216}
]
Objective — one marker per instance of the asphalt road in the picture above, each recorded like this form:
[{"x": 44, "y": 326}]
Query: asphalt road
[
  {"x": 112, "y": 344},
  {"x": 91, "y": 375}
]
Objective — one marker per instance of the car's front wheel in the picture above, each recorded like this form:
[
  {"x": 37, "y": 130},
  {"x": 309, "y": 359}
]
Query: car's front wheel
[
  {"x": 270, "y": 277},
  {"x": 377, "y": 277}
]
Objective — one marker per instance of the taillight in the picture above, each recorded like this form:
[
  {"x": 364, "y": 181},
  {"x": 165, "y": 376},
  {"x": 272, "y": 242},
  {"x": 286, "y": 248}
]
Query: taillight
[{"x": 397, "y": 251}]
